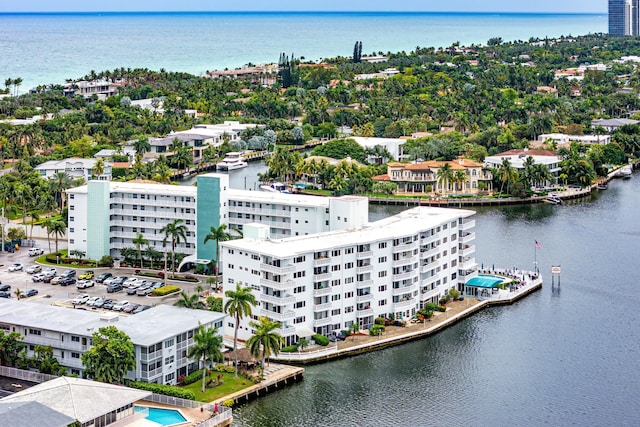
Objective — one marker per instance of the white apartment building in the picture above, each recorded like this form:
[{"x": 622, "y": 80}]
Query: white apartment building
[
  {"x": 327, "y": 281},
  {"x": 104, "y": 217},
  {"x": 160, "y": 351}
]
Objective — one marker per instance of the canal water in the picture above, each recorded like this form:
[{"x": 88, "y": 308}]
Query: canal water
[{"x": 566, "y": 355}]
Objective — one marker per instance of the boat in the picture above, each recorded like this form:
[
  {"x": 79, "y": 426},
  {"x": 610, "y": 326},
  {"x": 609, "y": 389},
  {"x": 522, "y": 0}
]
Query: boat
[
  {"x": 553, "y": 199},
  {"x": 233, "y": 160},
  {"x": 602, "y": 186},
  {"x": 625, "y": 172},
  {"x": 275, "y": 187}
]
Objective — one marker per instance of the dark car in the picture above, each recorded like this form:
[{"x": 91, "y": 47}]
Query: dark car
[
  {"x": 5, "y": 288},
  {"x": 101, "y": 278},
  {"x": 140, "y": 308},
  {"x": 66, "y": 281},
  {"x": 119, "y": 281},
  {"x": 30, "y": 293},
  {"x": 129, "y": 308},
  {"x": 4, "y": 294},
  {"x": 114, "y": 287},
  {"x": 108, "y": 304}
]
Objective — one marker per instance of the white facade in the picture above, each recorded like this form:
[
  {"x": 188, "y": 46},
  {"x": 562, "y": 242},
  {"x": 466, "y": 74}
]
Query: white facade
[
  {"x": 518, "y": 157},
  {"x": 146, "y": 208},
  {"x": 161, "y": 352},
  {"x": 393, "y": 145},
  {"x": 561, "y": 138},
  {"x": 74, "y": 167},
  {"x": 327, "y": 281}
]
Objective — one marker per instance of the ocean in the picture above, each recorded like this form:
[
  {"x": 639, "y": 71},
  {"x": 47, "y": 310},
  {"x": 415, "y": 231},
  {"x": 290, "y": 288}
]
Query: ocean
[{"x": 44, "y": 48}]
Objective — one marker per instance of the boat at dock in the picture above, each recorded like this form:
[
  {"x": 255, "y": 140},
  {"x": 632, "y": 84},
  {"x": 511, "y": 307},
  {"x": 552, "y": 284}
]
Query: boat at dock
[
  {"x": 553, "y": 199},
  {"x": 602, "y": 186},
  {"x": 625, "y": 172},
  {"x": 275, "y": 187},
  {"x": 233, "y": 160}
]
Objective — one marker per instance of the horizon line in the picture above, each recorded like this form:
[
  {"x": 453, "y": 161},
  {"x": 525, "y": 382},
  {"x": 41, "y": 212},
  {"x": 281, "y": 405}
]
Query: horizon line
[{"x": 303, "y": 11}]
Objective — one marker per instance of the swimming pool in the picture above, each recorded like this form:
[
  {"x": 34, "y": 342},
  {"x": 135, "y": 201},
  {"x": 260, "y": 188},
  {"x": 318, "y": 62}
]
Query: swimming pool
[
  {"x": 164, "y": 417},
  {"x": 485, "y": 281}
]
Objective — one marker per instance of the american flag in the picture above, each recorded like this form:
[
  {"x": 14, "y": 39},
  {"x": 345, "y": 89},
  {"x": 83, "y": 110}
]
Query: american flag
[{"x": 538, "y": 245}]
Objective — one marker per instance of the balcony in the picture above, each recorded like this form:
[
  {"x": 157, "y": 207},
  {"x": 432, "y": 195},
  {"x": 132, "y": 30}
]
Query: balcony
[
  {"x": 364, "y": 298},
  {"x": 402, "y": 247},
  {"x": 277, "y": 270},
  {"x": 322, "y": 322},
  {"x": 321, "y": 277},
  {"x": 467, "y": 237},
  {"x": 322, "y": 307},
  {"x": 364, "y": 255},
  {"x": 278, "y": 300},
  {"x": 405, "y": 305},
  {"x": 467, "y": 225},
  {"x": 322, "y": 292},
  {"x": 405, "y": 275},
  {"x": 281, "y": 286},
  {"x": 467, "y": 250},
  {"x": 145, "y": 357},
  {"x": 364, "y": 312},
  {"x": 404, "y": 261},
  {"x": 285, "y": 332},
  {"x": 364, "y": 284},
  {"x": 321, "y": 261},
  {"x": 406, "y": 289},
  {"x": 364, "y": 269},
  {"x": 468, "y": 264},
  {"x": 279, "y": 317}
]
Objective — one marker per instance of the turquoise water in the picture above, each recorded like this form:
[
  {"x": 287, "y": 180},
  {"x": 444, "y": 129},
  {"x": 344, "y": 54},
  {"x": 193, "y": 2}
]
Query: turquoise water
[
  {"x": 164, "y": 417},
  {"x": 51, "y": 47},
  {"x": 484, "y": 281}
]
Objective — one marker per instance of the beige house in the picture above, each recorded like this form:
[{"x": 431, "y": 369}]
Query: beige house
[{"x": 422, "y": 178}]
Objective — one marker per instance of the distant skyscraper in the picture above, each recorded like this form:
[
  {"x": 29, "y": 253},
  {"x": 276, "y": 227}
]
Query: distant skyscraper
[{"x": 624, "y": 17}]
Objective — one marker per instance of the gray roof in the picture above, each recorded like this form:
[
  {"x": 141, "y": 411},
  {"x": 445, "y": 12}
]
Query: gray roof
[
  {"x": 614, "y": 122},
  {"x": 80, "y": 399},
  {"x": 145, "y": 328},
  {"x": 20, "y": 414}
]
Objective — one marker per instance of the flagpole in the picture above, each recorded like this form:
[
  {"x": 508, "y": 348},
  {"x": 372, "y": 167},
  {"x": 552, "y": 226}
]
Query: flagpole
[{"x": 535, "y": 257}]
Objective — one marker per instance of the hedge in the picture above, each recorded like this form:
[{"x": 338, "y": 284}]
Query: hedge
[
  {"x": 192, "y": 378},
  {"x": 289, "y": 349},
  {"x": 321, "y": 339},
  {"x": 167, "y": 390},
  {"x": 165, "y": 290}
]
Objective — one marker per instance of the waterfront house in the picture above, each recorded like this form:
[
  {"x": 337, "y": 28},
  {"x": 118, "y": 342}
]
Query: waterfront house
[
  {"x": 74, "y": 167},
  {"x": 517, "y": 159},
  {"x": 563, "y": 139}
]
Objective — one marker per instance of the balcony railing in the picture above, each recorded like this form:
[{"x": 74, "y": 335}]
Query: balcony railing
[
  {"x": 321, "y": 261},
  {"x": 284, "y": 285},
  {"x": 277, "y": 270},
  {"x": 364, "y": 298},
  {"x": 406, "y": 289},
  {"x": 322, "y": 307},
  {"x": 405, "y": 305},
  {"x": 405, "y": 275},
  {"x": 467, "y": 237},
  {"x": 282, "y": 300},
  {"x": 467, "y": 225},
  {"x": 364, "y": 284},
  {"x": 364, "y": 312},
  {"x": 365, "y": 254},
  {"x": 321, "y": 277},
  {"x": 280, "y": 317},
  {"x": 364, "y": 269},
  {"x": 322, "y": 292},
  {"x": 322, "y": 322}
]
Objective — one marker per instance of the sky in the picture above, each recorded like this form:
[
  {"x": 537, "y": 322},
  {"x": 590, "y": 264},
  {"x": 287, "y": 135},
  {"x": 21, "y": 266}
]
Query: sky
[{"x": 542, "y": 6}]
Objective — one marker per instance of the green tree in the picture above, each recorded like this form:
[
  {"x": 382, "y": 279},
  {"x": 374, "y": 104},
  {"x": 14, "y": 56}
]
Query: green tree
[
  {"x": 445, "y": 175},
  {"x": 98, "y": 168},
  {"x": 10, "y": 347},
  {"x": 60, "y": 182},
  {"x": 265, "y": 338},
  {"x": 110, "y": 357},
  {"x": 139, "y": 241},
  {"x": 189, "y": 301},
  {"x": 57, "y": 228},
  {"x": 207, "y": 344},
  {"x": 238, "y": 305},
  {"x": 45, "y": 362},
  {"x": 177, "y": 233},
  {"x": 219, "y": 234}
]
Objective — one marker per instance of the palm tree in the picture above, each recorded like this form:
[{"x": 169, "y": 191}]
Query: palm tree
[
  {"x": 60, "y": 182},
  {"x": 206, "y": 346},
  {"x": 98, "y": 168},
  {"x": 238, "y": 305},
  {"x": 141, "y": 146},
  {"x": 139, "y": 241},
  {"x": 265, "y": 338},
  {"x": 507, "y": 173},
  {"x": 189, "y": 301},
  {"x": 445, "y": 175},
  {"x": 460, "y": 177},
  {"x": 57, "y": 228},
  {"x": 177, "y": 232},
  {"x": 219, "y": 234}
]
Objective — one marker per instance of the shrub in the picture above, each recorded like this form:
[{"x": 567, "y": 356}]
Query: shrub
[
  {"x": 376, "y": 330},
  {"x": 192, "y": 378},
  {"x": 434, "y": 307},
  {"x": 167, "y": 390},
  {"x": 454, "y": 293},
  {"x": 289, "y": 349},
  {"x": 220, "y": 367},
  {"x": 321, "y": 339},
  {"x": 165, "y": 290},
  {"x": 106, "y": 261},
  {"x": 379, "y": 321},
  {"x": 185, "y": 279},
  {"x": 228, "y": 403}
]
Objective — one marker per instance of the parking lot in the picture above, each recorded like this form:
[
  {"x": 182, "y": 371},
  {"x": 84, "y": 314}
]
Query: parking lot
[{"x": 62, "y": 295}]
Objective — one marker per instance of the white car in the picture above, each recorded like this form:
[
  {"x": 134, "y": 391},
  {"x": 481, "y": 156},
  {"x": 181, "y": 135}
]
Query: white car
[
  {"x": 36, "y": 251},
  {"x": 82, "y": 284},
  {"x": 108, "y": 280},
  {"x": 33, "y": 269},
  {"x": 16, "y": 267},
  {"x": 93, "y": 300},
  {"x": 80, "y": 299},
  {"x": 119, "y": 306},
  {"x": 131, "y": 282},
  {"x": 50, "y": 270}
]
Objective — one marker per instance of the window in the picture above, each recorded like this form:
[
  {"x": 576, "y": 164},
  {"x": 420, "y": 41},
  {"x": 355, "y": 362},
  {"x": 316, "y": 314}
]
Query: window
[
  {"x": 169, "y": 377},
  {"x": 71, "y": 219},
  {"x": 35, "y": 332},
  {"x": 299, "y": 290},
  {"x": 348, "y": 265},
  {"x": 300, "y": 304},
  {"x": 382, "y": 274},
  {"x": 169, "y": 343},
  {"x": 168, "y": 360},
  {"x": 300, "y": 319},
  {"x": 335, "y": 297},
  {"x": 382, "y": 245},
  {"x": 382, "y": 259},
  {"x": 75, "y": 355},
  {"x": 382, "y": 288},
  {"x": 335, "y": 267},
  {"x": 348, "y": 294},
  {"x": 348, "y": 251},
  {"x": 75, "y": 339},
  {"x": 348, "y": 309},
  {"x": 382, "y": 302}
]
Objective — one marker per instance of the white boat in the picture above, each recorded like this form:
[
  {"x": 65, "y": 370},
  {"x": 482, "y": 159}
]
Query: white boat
[
  {"x": 625, "y": 172},
  {"x": 275, "y": 187},
  {"x": 233, "y": 160},
  {"x": 553, "y": 199}
]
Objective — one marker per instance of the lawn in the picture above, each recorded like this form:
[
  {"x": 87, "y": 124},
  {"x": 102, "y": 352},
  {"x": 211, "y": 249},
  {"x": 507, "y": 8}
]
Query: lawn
[
  {"x": 230, "y": 385},
  {"x": 42, "y": 259}
]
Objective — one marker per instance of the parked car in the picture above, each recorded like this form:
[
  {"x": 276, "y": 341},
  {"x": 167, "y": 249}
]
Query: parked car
[
  {"x": 156, "y": 285},
  {"x": 129, "y": 307},
  {"x": 36, "y": 251},
  {"x": 114, "y": 287},
  {"x": 120, "y": 305},
  {"x": 16, "y": 267},
  {"x": 37, "y": 277},
  {"x": 5, "y": 294},
  {"x": 120, "y": 280},
  {"x": 55, "y": 280},
  {"x": 140, "y": 308},
  {"x": 49, "y": 270},
  {"x": 104, "y": 276},
  {"x": 86, "y": 275},
  {"x": 83, "y": 284},
  {"x": 131, "y": 291},
  {"x": 109, "y": 280},
  {"x": 68, "y": 273},
  {"x": 91, "y": 301},
  {"x": 66, "y": 281},
  {"x": 80, "y": 299},
  {"x": 143, "y": 291},
  {"x": 108, "y": 304},
  {"x": 4, "y": 288},
  {"x": 130, "y": 282},
  {"x": 33, "y": 269},
  {"x": 30, "y": 293}
]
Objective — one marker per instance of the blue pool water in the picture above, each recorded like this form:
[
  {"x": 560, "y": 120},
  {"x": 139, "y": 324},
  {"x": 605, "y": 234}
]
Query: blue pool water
[
  {"x": 484, "y": 281},
  {"x": 164, "y": 417}
]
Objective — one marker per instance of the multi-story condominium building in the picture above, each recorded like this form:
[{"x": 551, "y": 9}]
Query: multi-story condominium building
[
  {"x": 160, "y": 351},
  {"x": 424, "y": 177},
  {"x": 104, "y": 217},
  {"x": 324, "y": 282},
  {"x": 624, "y": 17}
]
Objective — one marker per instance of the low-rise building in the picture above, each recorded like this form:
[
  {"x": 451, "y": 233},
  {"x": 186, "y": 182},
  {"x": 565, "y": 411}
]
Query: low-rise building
[
  {"x": 613, "y": 124},
  {"x": 160, "y": 351},
  {"x": 325, "y": 282},
  {"x": 561, "y": 138},
  {"x": 517, "y": 159},
  {"x": 75, "y": 167},
  {"x": 101, "y": 89}
]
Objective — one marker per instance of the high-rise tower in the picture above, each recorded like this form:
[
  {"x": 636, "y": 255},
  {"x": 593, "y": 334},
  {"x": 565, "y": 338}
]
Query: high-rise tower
[{"x": 624, "y": 17}]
